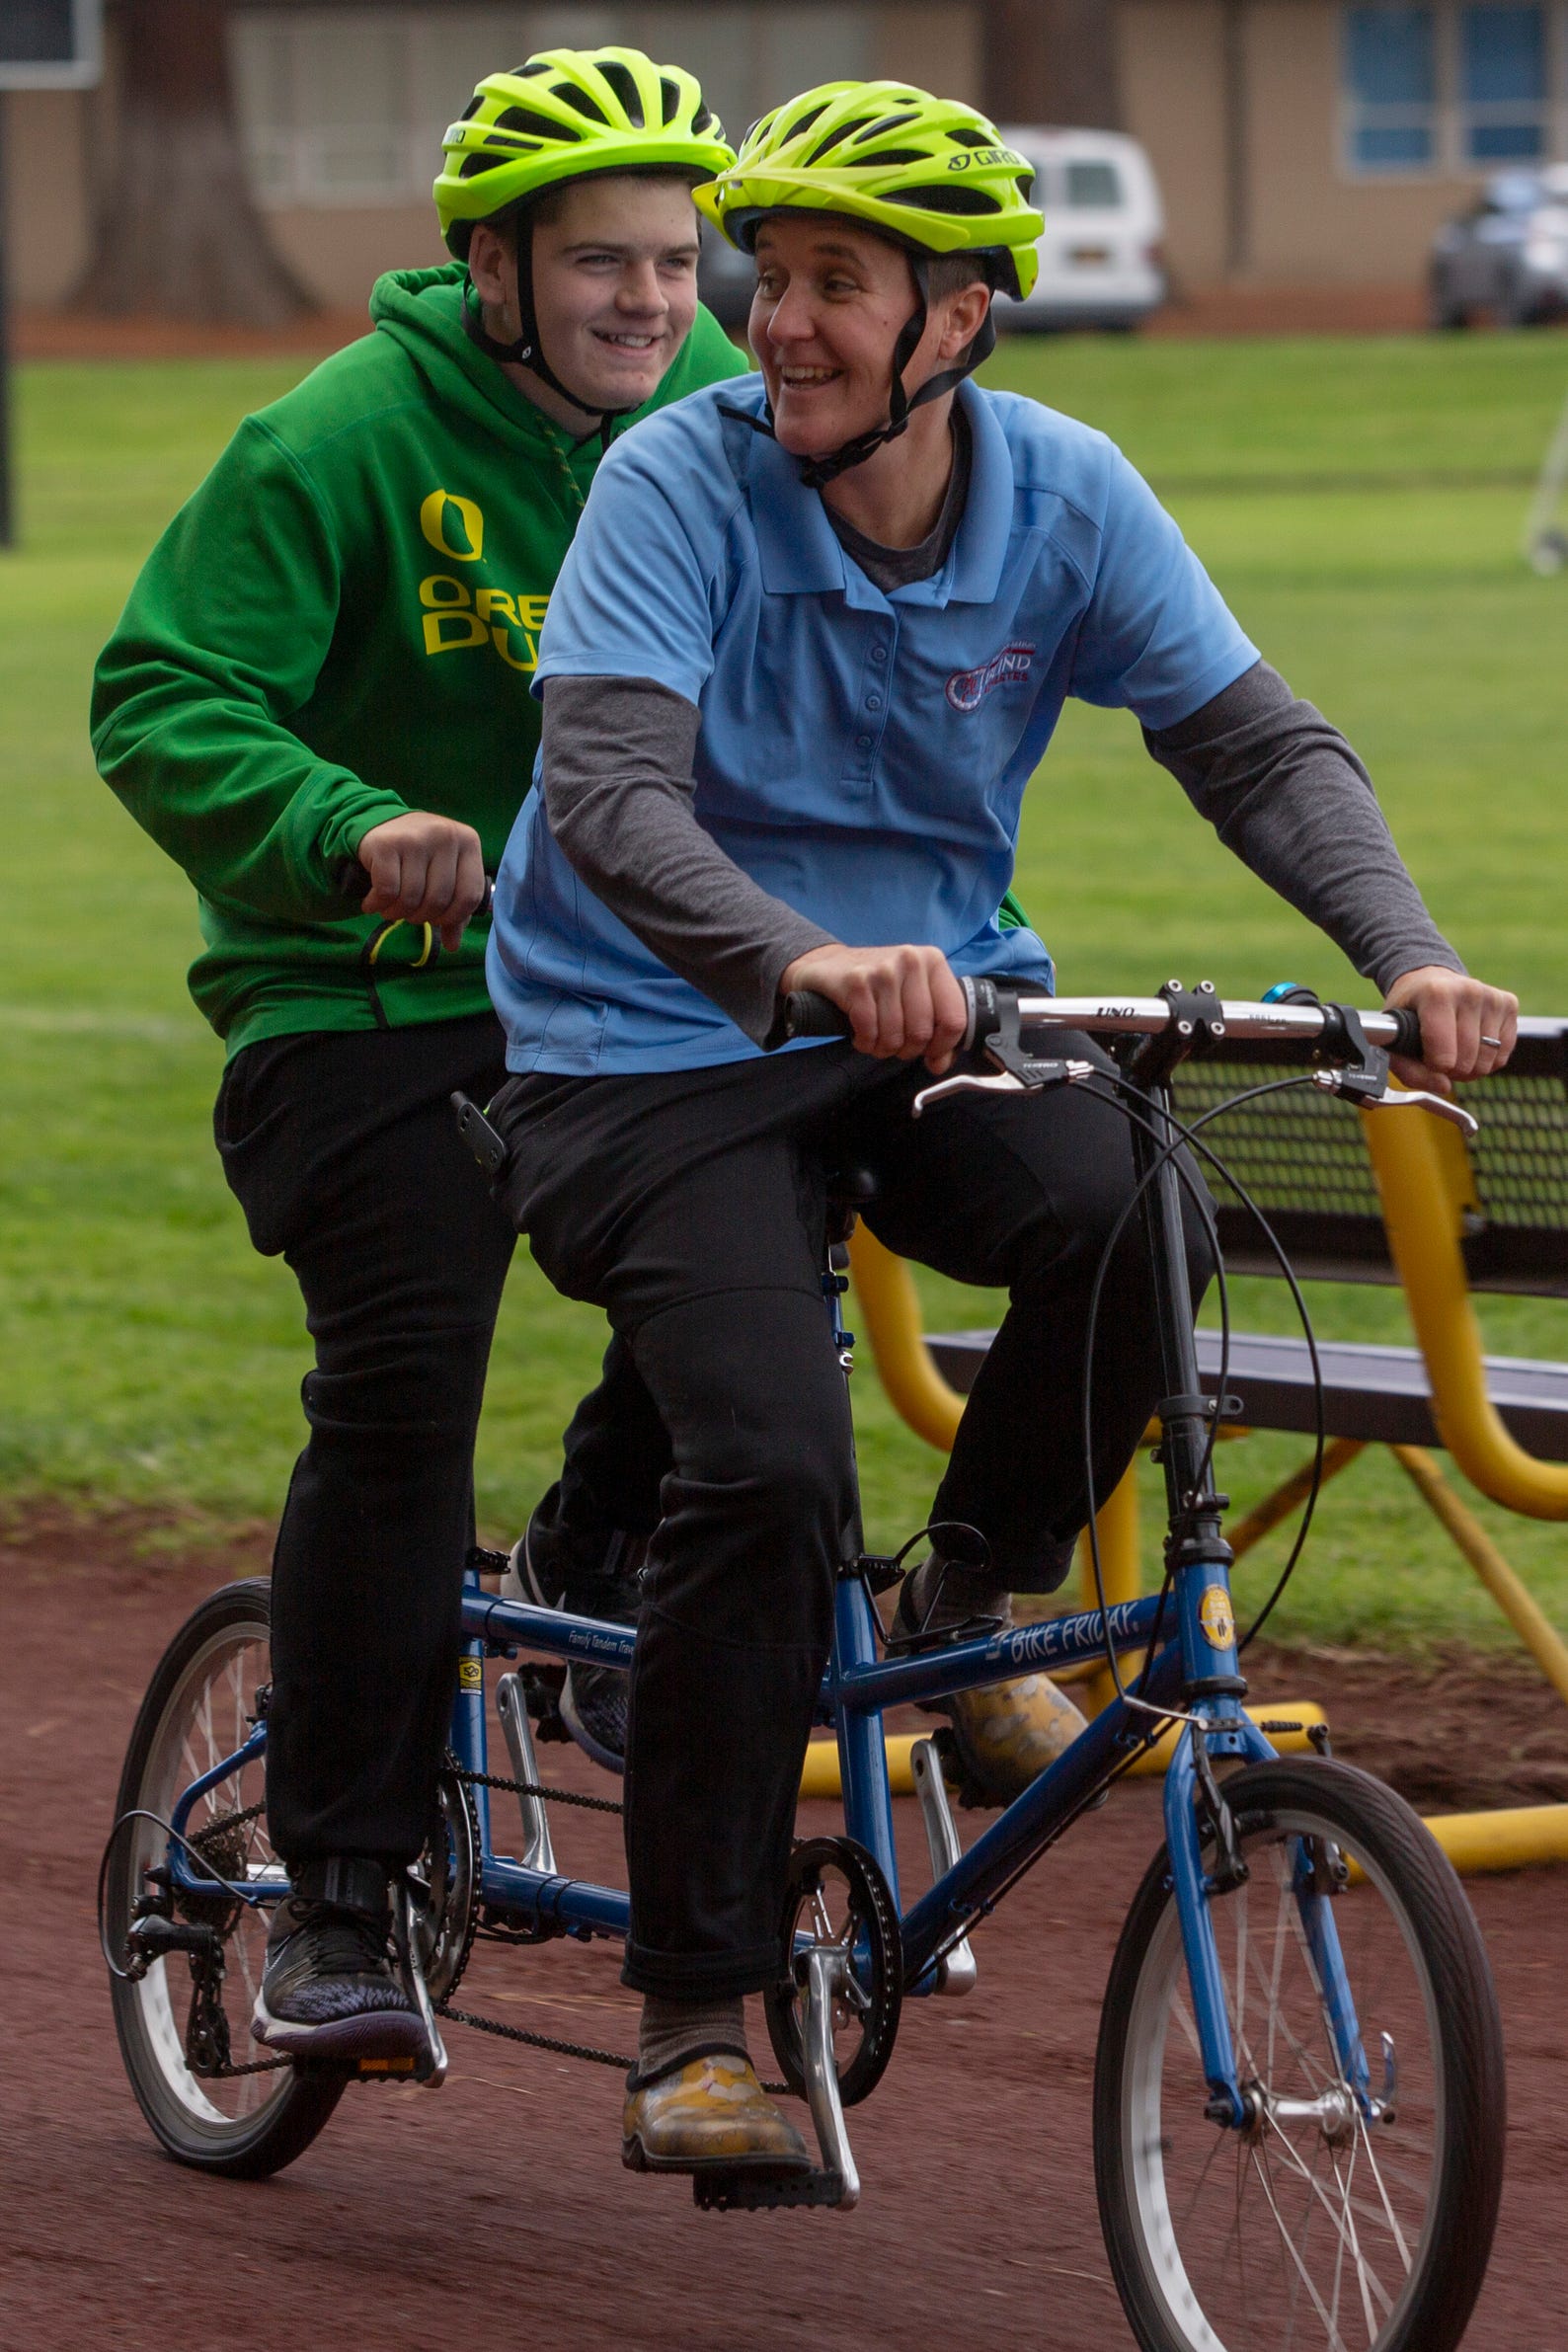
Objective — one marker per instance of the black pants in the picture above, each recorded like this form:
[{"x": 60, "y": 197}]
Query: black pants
[
  {"x": 346, "y": 1159},
  {"x": 690, "y": 1205}
]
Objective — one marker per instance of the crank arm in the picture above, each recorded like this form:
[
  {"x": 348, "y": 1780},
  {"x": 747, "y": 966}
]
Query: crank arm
[
  {"x": 1411, "y": 1099},
  {"x": 405, "y": 1931},
  {"x": 824, "y": 1972},
  {"x": 955, "y": 1974},
  {"x": 538, "y": 1852}
]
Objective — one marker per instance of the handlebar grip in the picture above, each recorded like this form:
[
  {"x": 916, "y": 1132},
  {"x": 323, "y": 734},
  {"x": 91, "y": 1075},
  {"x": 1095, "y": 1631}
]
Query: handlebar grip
[
  {"x": 352, "y": 882},
  {"x": 807, "y": 1014},
  {"x": 1407, "y": 1037}
]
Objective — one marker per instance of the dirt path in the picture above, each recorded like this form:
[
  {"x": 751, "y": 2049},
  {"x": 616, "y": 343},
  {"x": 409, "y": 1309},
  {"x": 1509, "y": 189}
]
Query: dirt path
[{"x": 499, "y": 2208}]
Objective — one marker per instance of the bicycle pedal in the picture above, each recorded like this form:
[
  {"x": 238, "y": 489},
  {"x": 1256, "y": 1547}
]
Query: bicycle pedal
[
  {"x": 404, "y": 2069},
  {"x": 542, "y": 1686},
  {"x": 754, "y": 2192}
]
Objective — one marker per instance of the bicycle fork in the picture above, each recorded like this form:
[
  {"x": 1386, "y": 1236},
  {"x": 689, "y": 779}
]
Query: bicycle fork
[{"x": 1198, "y": 1563}]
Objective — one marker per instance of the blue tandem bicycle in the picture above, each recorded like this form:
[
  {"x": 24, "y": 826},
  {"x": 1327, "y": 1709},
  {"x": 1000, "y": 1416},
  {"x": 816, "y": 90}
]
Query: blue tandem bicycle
[{"x": 1299, "y": 2096}]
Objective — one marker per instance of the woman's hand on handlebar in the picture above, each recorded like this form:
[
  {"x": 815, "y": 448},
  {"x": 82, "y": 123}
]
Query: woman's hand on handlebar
[
  {"x": 903, "y": 1001},
  {"x": 1467, "y": 1029},
  {"x": 423, "y": 869}
]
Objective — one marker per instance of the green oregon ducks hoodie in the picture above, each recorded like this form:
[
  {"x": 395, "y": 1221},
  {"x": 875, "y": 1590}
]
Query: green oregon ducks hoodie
[{"x": 341, "y": 624}]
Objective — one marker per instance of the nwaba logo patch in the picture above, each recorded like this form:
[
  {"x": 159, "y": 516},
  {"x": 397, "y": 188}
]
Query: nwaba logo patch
[{"x": 966, "y": 689}]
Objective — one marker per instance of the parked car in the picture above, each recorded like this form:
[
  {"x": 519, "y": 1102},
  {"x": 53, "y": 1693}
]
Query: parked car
[
  {"x": 1100, "y": 258},
  {"x": 1507, "y": 256}
]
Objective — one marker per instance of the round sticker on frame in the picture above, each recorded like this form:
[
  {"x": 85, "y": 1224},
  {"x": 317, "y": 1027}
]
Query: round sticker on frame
[{"x": 1217, "y": 1617}]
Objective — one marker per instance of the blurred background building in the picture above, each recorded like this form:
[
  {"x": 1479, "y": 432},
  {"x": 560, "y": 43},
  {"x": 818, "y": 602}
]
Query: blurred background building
[{"x": 1297, "y": 142}]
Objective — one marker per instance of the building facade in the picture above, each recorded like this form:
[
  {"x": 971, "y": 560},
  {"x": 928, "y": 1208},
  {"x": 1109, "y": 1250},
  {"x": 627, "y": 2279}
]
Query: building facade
[{"x": 1297, "y": 142}]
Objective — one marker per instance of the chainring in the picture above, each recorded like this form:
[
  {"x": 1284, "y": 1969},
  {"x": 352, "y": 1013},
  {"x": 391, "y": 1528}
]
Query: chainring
[
  {"x": 448, "y": 1873},
  {"x": 835, "y": 1893}
]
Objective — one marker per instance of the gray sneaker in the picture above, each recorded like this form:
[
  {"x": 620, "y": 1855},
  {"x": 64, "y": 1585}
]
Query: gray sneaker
[
  {"x": 545, "y": 1567},
  {"x": 594, "y": 1710},
  {"x": 328, "y": 1988}
]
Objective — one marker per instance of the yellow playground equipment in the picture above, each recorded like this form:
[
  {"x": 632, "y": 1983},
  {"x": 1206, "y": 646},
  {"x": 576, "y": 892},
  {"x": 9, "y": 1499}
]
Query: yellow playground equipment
[{"x": 1450, "y": 1217}]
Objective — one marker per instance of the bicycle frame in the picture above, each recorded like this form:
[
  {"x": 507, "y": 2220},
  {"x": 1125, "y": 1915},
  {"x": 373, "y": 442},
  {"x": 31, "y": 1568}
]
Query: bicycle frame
[{"x": 1195, "y": 1672}]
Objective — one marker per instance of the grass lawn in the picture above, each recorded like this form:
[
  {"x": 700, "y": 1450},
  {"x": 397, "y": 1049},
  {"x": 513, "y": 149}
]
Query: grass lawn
[{"x": 1359, "y": 503}]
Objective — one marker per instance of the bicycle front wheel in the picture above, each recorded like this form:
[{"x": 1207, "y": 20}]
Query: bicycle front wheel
[
  {"x": 1322, "y": 2226},
  {"x": 200, "y": 1708}
]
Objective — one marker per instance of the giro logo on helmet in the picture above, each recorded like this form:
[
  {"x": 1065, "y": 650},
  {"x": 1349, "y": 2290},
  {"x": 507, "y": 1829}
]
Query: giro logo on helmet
[{"x": 966, "y": 689}]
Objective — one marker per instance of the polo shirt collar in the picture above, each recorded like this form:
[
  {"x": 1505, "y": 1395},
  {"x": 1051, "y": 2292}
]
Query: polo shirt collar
[{"x": 799, "y": 554}]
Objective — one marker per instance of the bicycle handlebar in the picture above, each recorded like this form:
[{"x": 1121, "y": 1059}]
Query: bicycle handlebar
[
  {"x": 807, "y": 1014},
  {"x": 352, "y": 881}
]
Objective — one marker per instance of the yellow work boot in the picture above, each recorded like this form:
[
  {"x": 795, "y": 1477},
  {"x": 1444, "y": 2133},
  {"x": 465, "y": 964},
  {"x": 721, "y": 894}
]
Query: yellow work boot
[
  {"x": 710, "y": 2113},
  {"x": 1010, "y": 1732}
]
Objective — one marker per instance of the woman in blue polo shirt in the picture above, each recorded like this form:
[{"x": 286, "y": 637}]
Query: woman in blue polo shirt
[{"x": 809, "y": 645}]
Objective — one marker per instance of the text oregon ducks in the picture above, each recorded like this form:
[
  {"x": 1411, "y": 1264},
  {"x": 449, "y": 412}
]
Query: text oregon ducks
[{"x": 458, "y": 612}]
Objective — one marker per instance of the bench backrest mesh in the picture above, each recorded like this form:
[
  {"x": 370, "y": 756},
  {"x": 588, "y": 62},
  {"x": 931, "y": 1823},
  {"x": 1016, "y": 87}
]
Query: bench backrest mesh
[{"x": 1302, "y": 1156}]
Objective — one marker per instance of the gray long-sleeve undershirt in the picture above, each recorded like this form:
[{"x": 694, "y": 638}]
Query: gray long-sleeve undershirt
[{"x": 1280, "y": 785}]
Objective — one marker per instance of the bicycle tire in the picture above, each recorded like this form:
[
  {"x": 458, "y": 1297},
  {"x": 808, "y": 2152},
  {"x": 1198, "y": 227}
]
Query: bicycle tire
[
  {"x": 1441, "y": 2200},
  {"x": 270, "y": 2118}
]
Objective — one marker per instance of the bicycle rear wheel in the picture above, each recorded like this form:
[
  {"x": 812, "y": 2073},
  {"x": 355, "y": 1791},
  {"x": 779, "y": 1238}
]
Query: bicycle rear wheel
[
  {"x": 200, "y": 1708},
  {"x": 1314, "y": 2230}
]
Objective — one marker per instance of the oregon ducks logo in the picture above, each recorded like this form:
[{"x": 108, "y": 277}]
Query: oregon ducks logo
[
  {"x": 454, "y": 526},
  {"x": 457, "y": 612}
]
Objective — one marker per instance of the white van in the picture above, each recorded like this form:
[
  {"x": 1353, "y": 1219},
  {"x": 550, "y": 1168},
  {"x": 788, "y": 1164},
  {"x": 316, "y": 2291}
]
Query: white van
[{"x": 1101, "y": 263}]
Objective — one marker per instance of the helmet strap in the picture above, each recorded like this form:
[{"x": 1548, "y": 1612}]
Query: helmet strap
[
  {"x": 527, "y": 349},
  {"x": 817, "y": 472}
]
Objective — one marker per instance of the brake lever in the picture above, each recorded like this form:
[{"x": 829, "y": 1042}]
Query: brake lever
[
  {"x": 1041, "y": 1075},
  {"x": 1411, "y": 1098}
]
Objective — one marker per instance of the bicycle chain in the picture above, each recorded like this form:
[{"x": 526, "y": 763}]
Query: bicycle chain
[
  {"x": 491, "y": 2025},
  {"x": 545, "y": 2041},
  {"x": 535, "y": 2041},
  {"x": 535, "y": 1788}
]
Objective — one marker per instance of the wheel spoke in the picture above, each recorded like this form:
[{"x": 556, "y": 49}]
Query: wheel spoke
[{"x": 1326, "y": 2229}]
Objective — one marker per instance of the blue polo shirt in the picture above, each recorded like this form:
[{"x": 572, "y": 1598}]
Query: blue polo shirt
[{"x": 862, "y": 756}]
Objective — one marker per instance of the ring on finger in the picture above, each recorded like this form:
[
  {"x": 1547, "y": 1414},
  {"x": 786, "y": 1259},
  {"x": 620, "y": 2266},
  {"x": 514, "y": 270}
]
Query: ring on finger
[{"x": 1492, "y": 1041}]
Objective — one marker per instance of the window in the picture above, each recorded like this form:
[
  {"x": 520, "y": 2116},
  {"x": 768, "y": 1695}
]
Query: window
[
  {"x": 1093, "y": 187},
  {"x": 347, "y": 105},
  {"x": 1392, "y": 85},
  {"x": 1454, "y": 86},
  {"x": 1503, "y": 84}
]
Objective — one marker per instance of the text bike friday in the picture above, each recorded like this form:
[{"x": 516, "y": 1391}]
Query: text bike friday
[{"x": 1301, "y": 2043}]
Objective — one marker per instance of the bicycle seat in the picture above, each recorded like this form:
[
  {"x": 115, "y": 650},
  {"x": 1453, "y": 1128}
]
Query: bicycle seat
[
  {"x": 849, "y": 1189},
  {"x": 851, "y": 1186}
]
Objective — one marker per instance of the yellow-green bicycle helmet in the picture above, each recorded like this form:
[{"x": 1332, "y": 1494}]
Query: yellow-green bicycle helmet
[
  {"x": 561, "y": 116},
  {"x": 929, "y": 173}
]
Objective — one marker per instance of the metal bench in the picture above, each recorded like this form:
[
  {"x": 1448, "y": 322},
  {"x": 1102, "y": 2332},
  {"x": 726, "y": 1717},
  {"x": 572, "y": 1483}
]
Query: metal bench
[
  {"x": 1378, "y": 1394},
  {"x": 1354, "y": 1197}
]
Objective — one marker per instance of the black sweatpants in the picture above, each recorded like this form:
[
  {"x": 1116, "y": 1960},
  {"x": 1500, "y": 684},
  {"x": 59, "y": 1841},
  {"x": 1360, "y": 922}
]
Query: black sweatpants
[
  {"x": 690, "y": 1205},
  {"x": 344, "y": 1156}
]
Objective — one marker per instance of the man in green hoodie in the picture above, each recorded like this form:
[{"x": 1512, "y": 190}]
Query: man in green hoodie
[{"x": 323, "y": 671}]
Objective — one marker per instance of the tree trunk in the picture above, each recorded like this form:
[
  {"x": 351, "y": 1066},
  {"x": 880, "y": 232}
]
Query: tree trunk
[
  {"x": 179, "y": 235},
  {"x": 1052, "y": 63}
]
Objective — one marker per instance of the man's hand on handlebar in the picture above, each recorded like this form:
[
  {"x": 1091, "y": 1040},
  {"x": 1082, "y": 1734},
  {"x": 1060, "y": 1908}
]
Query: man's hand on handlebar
[
  {"x": 423, "y": 869},
  {"x": 903, "y": 1001},
  {"x": 1467, "y": 1029}
]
